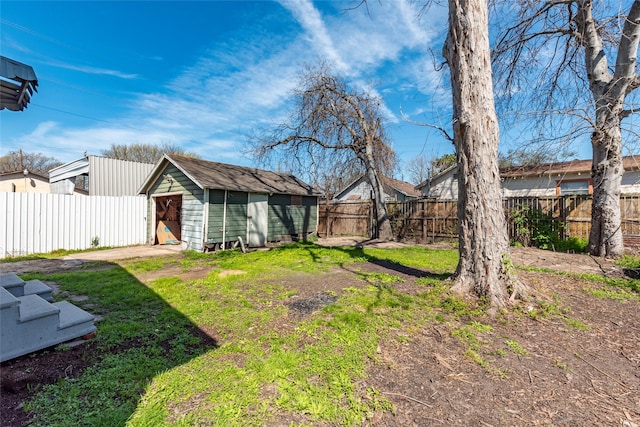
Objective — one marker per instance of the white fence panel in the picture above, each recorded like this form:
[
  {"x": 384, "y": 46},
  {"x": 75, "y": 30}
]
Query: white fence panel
[{"x": 40, "y": 222}]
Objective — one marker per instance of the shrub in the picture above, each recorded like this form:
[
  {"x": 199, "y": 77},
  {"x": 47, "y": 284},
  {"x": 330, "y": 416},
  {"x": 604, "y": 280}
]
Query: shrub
[{"x": 535, "y": 228}]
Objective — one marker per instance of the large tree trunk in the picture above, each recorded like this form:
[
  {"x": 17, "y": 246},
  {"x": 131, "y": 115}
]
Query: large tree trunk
[
  {"x": 485, "y": 267},
  {"x": 607, "y": 169},
  {"x": 382, "y": 224},
  {"x": 609, "y": 92}
]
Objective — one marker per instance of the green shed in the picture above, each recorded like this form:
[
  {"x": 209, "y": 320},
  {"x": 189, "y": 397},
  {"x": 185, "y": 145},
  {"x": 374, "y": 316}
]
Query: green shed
[{"x": 201, "y": 204}]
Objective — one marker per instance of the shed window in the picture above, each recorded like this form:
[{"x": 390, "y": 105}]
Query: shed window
[{"x": 296, "y": 200}]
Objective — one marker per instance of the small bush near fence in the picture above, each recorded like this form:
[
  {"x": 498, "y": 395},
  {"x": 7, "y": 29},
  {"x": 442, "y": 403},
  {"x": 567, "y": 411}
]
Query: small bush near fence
[
  {"x": 561, "y": 223},
  {"x": 532, "y": 227}
]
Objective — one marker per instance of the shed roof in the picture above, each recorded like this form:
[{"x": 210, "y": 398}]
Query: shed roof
[
  {"x": 17, "y": 84},
  {"x": 222, "y": 176}
]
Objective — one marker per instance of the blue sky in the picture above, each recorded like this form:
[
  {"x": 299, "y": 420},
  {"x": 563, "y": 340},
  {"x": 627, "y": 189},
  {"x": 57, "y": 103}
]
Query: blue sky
[{"x": 202, "y": 75}]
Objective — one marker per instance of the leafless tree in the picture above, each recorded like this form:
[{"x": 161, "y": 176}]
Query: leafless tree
[
  {"x": 143, "y": 153},
  {"x": 330, "y": 181},
  {"x": 419, "y": 169},
  {"x": 18, "y": 160},
  {"x": 333, "y": 125},
  {"x": 485, "y": 267},
  {"x": 528, "y": 157},
  {"x": 577, "y": 58}
]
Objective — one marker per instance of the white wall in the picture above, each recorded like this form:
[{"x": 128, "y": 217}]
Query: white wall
[
  {"x": 445, "y": 187},
  {"x": 22, "y": 184},
  {"x": 362, "y": 191},
  {"x": 40, "y": 223}
]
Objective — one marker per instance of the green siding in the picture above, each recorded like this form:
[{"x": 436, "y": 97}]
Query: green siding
[
  {"x": 236, "y": 224},
  {"x": 181, "y": 184},
  {"x": 216, "y": 215},
  {"x": 237, "y": 215},
  {"x": 286, "y": 220},
  {"x": 192, "y": 204}
]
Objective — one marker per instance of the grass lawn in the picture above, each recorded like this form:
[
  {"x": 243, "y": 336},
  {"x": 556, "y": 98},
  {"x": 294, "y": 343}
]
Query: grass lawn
[{"x": 224, "y": 349}]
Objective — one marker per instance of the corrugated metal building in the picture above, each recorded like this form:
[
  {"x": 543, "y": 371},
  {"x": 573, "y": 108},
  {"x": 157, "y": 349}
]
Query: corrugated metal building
[
  {"x": 198, "y": 203},
  {"x": 106, "y": 177}
]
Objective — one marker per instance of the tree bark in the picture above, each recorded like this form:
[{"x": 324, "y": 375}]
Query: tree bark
[
  {"x": 382, "y": 225},
  {"x": 609, "y": 92},
  {"x": 485, "y": 267},
  {"x": 605, "y": 238}
]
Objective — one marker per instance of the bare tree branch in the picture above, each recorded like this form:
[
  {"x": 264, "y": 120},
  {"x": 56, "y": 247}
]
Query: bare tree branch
[{"x": 333, "y": 126}]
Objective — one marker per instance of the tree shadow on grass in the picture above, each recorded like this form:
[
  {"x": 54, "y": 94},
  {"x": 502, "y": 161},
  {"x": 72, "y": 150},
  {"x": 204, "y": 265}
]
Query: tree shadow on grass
[
  {"x": 358, "y": 253},
  {"x": 139, "y": 335}
]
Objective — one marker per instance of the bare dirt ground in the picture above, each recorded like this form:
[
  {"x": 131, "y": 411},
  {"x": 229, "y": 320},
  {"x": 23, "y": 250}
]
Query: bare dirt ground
[{"x": 580, "y": 368}]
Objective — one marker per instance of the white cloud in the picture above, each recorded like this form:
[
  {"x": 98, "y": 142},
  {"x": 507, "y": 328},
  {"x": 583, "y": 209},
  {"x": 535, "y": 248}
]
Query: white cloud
[
  {"x": 92, "y": 70},
  {"x": 245, "y": 81},
  {"x": 310, "y": 19}
]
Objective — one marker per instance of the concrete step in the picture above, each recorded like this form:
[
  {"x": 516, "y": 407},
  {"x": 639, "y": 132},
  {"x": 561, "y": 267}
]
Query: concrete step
[
  {"x": 74, "y": 322},
  {"x": 29, "y": 323},
  {"x": 7, "y": 299},
  {"x": 71, "y": 316},
  {"x": 12, "y": 283},
  {"x": 32, "y": 307},
  {"x": 27, "y": 327},
  {"x": 36, "y": 287}
]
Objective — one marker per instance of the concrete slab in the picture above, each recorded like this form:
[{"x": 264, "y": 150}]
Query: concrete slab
[{"x": 124, "y": 253}]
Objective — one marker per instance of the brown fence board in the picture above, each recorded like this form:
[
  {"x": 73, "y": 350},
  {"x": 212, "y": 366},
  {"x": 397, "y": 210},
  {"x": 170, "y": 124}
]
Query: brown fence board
[{"x": 425, "y": 220}]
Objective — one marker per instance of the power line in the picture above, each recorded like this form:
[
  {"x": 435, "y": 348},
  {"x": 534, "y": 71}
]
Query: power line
[
  {"x": 88, "y": 117},
  {"x": 72, "y": 114}
]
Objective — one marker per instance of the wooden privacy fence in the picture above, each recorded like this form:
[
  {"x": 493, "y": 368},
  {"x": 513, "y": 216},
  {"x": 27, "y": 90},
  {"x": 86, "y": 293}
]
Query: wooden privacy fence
[
  {"x": 41, "y": 222},
  {"x": 425, "y": 220}
]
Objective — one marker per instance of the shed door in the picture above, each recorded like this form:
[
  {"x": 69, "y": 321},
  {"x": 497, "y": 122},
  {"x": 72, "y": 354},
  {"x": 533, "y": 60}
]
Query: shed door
[
  {"x": 168, "y": 219},
  {"x": 257, "y": 226}
]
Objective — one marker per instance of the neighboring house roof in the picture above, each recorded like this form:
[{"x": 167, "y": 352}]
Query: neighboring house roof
[
  {"x": 390, "y": 185},
  {"x": 222, "y": 176},
  {"x": 436, "y": 176},
  {"x": 406, "y": 188},
  {"x": 17, "y": 85},
  {"x": 20, "y": 174},
  {"x": 572, "y": 166}
]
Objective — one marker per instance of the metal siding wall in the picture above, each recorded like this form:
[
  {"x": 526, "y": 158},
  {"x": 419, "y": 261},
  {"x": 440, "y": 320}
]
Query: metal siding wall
[
  {"x": 39, "y": 222},
  {"x": 112, "y": 177}
]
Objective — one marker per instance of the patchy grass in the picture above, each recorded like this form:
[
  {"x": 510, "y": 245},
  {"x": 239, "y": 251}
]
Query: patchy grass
[
  {"x": 156, "y": 369},
  {"x": 228, "y": 350},
  {"x": 48, "y": 255}
]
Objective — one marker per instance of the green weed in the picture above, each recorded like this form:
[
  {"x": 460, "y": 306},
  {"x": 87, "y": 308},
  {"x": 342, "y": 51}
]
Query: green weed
[{"x": 515, "y": 347}]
